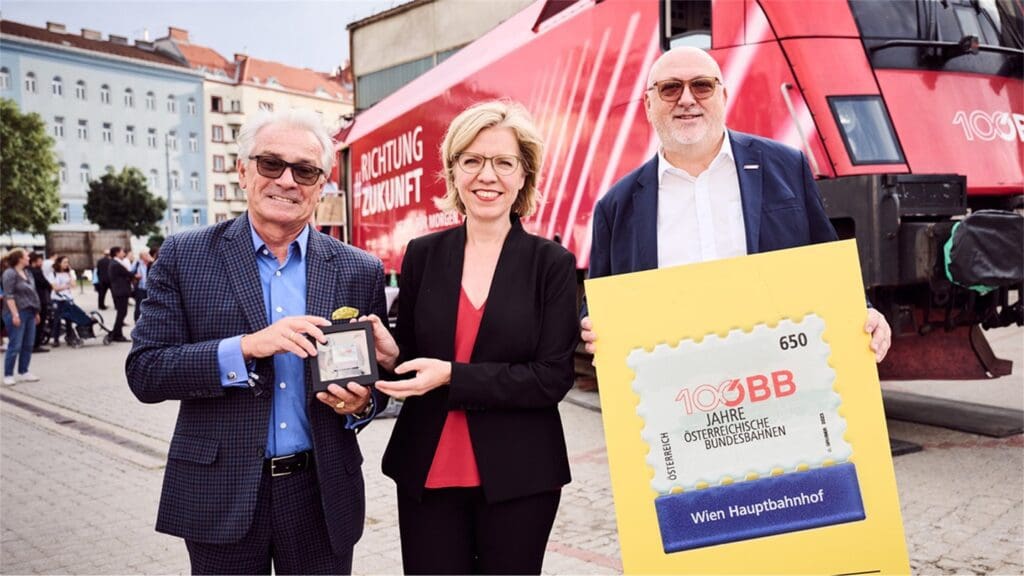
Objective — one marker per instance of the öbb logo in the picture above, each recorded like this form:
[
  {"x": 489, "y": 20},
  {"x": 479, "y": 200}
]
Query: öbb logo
[{"x": 735, "y": 391}]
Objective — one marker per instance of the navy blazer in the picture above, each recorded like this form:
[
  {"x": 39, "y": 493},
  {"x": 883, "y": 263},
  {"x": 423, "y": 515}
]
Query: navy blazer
[
  {"x": 521, "y": 366},
  {"x": 205, "y": 287},
  {"x": 781, "y": 208}
]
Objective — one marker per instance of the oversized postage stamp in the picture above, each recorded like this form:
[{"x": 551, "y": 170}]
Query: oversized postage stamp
[{"x": 752, "y": 403}]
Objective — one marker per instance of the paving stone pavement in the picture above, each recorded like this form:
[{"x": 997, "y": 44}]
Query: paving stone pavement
[{"x": 81, "y": 468}]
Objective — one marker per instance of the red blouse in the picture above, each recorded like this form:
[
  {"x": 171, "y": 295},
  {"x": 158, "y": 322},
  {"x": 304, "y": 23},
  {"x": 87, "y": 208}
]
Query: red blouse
[{"x": 454, "y": 463}]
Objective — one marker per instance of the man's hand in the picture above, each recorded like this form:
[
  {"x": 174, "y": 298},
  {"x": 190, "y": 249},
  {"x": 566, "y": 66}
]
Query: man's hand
[
  {"x": 384, "y": 345},
  {"x": 430, "y": 373},
  {"x": 285, "y": 335},
  {"x": 344, "y": 400},
  {"x": 881, "y": 334},
  {"x": 587, "y": 334}
]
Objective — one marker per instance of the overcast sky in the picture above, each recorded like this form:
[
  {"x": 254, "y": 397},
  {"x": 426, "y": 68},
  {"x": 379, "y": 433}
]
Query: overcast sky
[{"x": 302, "y": 33}]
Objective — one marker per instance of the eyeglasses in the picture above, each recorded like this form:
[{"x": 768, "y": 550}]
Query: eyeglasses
[
  {"x": 273, "y": 167},
  {"x": 503, "y": 164},
  {"x": 671, "y": 90}
]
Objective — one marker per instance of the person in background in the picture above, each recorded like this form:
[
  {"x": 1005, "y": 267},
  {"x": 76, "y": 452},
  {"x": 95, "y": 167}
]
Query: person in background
[
  {"x": 103, "y": 279},
  {"x": 120, "y": 279},
  {"x": 488, "y": 328},
  {"x": 63, "y": 280},
  {"x": 21, "y": 315},
  {"x": 140, "y": 270},
  {"x": 35, "y": 266}
]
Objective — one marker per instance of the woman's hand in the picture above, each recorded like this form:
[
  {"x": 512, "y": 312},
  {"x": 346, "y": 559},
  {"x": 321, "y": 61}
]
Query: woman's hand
[
  {"x": 384, "y": 344},
  {"x": 430, "y": 373}
]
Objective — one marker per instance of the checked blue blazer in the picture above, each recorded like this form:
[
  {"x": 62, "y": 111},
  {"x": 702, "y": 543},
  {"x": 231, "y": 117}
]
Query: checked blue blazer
[{"x": 203, "y": 288}]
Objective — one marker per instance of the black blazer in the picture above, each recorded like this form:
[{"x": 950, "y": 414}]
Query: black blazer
[
  {"x": 120, "y": 279},
  {"x": 522, "y": 363}
]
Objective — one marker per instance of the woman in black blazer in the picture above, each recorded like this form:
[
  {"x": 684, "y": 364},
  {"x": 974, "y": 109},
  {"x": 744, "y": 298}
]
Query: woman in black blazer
[{"x": 478, "y": 453}]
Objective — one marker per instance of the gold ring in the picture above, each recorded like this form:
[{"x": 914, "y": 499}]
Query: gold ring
[{"x": 340, "y": 405}]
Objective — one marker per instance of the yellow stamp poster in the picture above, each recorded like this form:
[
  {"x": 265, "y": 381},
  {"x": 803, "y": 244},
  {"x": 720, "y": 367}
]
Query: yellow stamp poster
[{"x": 743, "y": 418}]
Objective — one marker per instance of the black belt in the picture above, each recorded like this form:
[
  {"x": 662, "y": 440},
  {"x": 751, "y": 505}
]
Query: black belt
[{"x": 288, "y": 465}]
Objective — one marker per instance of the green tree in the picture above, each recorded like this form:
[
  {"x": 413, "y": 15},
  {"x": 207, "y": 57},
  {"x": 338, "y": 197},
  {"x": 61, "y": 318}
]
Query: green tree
[
  {"x": 122, "y": 202},
  {"x": 29, "y": 192}
]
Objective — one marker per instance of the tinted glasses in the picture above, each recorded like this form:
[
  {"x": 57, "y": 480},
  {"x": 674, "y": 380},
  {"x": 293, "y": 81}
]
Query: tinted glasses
[
  {"x": 671, "y": 90},
  {"x": 504, "y": 164},
  {"x": 273, "y": 167}
]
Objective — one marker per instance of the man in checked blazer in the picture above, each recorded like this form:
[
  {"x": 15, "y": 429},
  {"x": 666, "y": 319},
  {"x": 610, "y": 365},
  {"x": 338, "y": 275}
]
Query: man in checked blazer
[{"x": 259, "y": 471}]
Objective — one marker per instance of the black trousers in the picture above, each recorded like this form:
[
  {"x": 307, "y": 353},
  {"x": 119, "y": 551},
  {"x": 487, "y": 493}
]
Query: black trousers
[
  {"x": 45, "y": 317},
  {"x": 288, "y": 529},
  {"x": 456, "y": 531},
  {"x": 101, "y": 288},
  {"x": 121, "y": 305},
  {"x": 139, "y": 296}
]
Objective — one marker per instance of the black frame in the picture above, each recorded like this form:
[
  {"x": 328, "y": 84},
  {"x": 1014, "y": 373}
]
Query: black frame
[
  {"x": 364, "y": 328},
  {"x": 846, "y": 141}
]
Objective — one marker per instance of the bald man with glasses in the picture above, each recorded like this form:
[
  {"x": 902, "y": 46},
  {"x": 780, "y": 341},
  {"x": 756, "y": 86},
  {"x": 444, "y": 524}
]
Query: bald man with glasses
[{"x": 709, "y": 193}]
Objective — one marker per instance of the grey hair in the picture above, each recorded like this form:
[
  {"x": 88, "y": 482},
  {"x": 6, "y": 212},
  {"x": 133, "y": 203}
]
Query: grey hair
[{"x": 297, "y": 117}]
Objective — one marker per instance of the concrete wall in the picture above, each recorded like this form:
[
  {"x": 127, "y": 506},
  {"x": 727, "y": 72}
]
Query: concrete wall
[{"x": 425, "y": 30}]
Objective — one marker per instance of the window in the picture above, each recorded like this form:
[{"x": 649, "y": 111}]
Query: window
[
  {"x": 218, "y": 163},
  {"x": 129, "y": 135},
  {"x": 83, "y": 174},
  {"x": 239, "y": 193},
  {"x": 154, "y": 179},
  {"x": 195, "y": 217},
  {"x": 268, "y": 106},
  {"x": 65, "y": 210},
  {"x": 129, "y": 98},
  {"x": 105, "y": 94},
  {"x": 151, "y": 138},
  {"x": 236, "y": 105},
  {"x": 83, "y": 129},
  {"x": 687, "y": 24},
  {"x": 193, "y": 142},
  {"x": 30, "y": 83},
  {"x": 150, "y": 101},
  {"x": 5, "y": 78},
  {"x": 108, "y": 133},
  {"x": 176, "y": 216},
  {"x": 58, "y": 127},
  {"x": 218, "y": 133},
  {"x": 172, "y": 140},
  {"x": 220, "y": 218},
  {"x": 80, "y": 89},
  {"x": 57, "y": 86},
  {"x": 234, "y": 133},
  {"x": 172, "y": 104},
  {"x": 62, "y": 174},
  {"x": 175, "y": 182},
  {"x": 216, "y": 104},
  {"x": 192, "y": 106},
  {"x": 219, "y": 192},
  {"x": 193, "y": 181}
]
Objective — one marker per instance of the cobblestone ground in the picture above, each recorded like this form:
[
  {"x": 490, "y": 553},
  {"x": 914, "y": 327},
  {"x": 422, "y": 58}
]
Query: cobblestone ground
[{"x": 81, "y": 462}]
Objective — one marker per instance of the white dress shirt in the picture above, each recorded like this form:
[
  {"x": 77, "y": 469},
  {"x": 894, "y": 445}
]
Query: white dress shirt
[{"x": 700, "y": 218}]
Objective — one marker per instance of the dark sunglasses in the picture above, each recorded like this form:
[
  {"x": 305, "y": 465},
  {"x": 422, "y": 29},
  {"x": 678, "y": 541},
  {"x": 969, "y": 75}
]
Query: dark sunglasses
[
  {"x": 273, "y": 167},
  {"x": 671, "y": 90}
]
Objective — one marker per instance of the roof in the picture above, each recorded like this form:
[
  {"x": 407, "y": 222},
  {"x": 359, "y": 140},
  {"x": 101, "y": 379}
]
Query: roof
[
  {"x": 386, "y": 14},
  {"x": 65, "y": 39},
  {"x": 267, "y": 73},
  {"x": 207, "y": 59}
]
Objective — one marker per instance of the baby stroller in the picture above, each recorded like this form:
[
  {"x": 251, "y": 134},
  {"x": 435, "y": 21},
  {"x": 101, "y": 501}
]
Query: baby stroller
[{"x": 77, "y": 326}]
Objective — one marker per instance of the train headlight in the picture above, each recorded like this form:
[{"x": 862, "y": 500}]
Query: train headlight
[{"x": 866, "y": 129}]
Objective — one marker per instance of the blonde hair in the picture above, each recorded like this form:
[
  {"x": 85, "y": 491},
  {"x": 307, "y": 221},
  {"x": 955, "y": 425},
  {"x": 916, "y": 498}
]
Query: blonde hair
[{"x": 464, "y": 129}]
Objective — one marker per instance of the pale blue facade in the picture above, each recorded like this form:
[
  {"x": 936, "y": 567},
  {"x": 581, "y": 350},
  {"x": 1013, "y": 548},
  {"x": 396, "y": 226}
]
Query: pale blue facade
[{"x": 106, "y": 111}]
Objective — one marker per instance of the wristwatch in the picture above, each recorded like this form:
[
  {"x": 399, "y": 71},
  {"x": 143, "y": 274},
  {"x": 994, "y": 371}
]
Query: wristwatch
[{"x": 366, "y": 411}]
